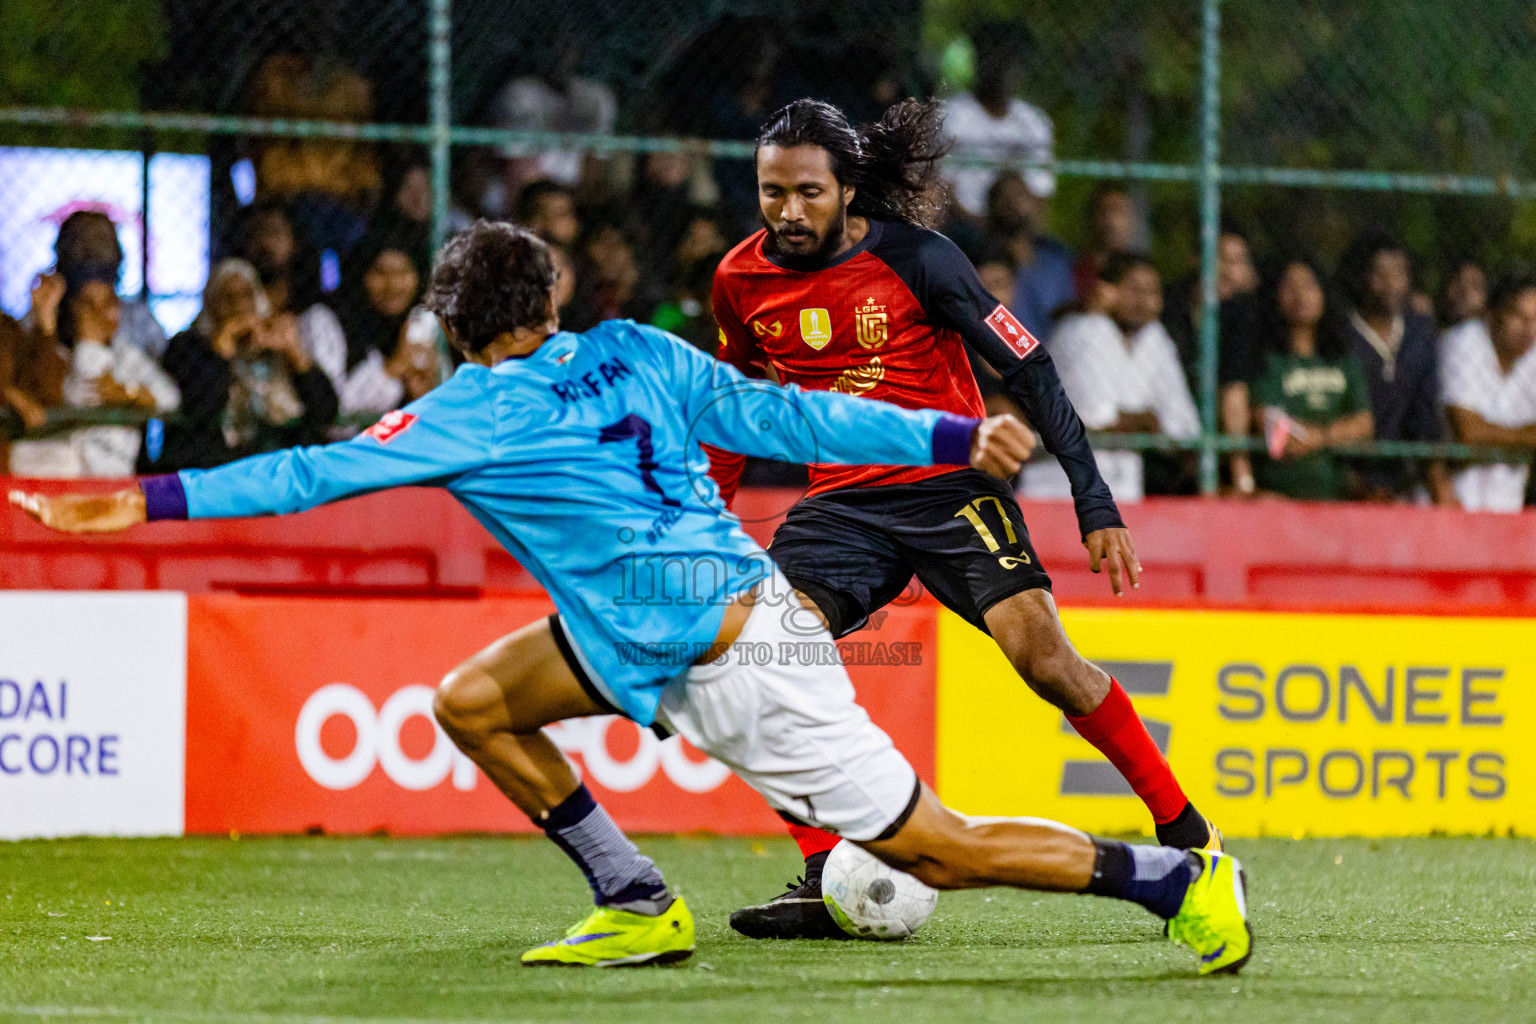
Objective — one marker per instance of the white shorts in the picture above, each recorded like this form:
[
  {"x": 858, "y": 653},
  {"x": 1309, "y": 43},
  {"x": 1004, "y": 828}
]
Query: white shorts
[{"x": 792, "y": 730}]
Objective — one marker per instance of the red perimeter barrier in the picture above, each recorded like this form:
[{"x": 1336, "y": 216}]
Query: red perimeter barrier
[
  {"x": 314, "y": 714},
  {"x": 420, "y": 543}
]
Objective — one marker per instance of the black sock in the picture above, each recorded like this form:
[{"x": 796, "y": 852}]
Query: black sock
[
  {"x": 814, "y": 864},
  {"x": 1157, "y": 877},
  {"x": 1189, "y": 831}
]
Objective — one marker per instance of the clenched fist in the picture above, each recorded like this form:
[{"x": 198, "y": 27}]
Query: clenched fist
[{"x": 1001, "y": 445}]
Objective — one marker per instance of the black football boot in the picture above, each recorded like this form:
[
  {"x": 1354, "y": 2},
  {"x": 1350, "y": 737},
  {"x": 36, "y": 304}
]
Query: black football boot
[{"x": 797, "y": 913}]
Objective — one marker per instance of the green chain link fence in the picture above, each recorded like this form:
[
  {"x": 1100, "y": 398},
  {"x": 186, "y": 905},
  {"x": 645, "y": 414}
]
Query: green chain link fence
[{"x": 1303, "y": 122}]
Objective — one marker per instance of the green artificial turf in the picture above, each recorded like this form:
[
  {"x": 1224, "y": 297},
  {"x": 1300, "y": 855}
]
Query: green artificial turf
[{"x": 392, "y": 929}]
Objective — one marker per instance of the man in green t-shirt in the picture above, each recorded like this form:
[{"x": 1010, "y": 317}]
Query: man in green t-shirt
[{"x": 1310, "y": 404}]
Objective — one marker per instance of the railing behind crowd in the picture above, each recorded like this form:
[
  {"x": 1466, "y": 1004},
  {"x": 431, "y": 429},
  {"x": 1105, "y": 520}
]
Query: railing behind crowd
[{"x": 1328, "y": 200}]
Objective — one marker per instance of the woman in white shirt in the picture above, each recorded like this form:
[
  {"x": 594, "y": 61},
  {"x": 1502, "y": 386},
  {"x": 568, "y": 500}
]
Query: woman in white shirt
[{"x": 382, "y": 357}]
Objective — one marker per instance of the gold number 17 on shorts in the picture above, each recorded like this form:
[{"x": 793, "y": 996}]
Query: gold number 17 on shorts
[{"x": 972, "y": 514}]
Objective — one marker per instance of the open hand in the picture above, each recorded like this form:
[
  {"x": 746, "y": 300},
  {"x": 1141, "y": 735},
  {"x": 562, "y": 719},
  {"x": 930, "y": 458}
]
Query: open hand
[
  {"x": 84, "y": 513},
  {"x": 47, "y": 293},
  {"x": 1113, "y": 548},
  {"x": 1001, "y": 445}
]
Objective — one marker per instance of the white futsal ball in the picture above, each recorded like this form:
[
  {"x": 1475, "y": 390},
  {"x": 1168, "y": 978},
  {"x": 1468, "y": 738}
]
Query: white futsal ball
[{"x": 869, "y": 899}]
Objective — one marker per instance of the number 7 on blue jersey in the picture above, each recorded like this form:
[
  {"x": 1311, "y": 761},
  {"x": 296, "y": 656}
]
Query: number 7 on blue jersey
[{"x": 633, "y": 426}]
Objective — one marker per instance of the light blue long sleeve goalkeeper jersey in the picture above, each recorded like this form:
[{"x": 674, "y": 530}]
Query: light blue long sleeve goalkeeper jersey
[{"x": 583, "y": 460}]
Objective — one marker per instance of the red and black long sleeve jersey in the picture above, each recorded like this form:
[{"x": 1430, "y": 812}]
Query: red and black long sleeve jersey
[{"x": 886, "y": 319}]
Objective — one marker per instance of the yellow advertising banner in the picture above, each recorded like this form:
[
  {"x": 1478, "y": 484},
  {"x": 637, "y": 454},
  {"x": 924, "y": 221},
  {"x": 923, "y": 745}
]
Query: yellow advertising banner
[{"x": 1276, "y": 724}]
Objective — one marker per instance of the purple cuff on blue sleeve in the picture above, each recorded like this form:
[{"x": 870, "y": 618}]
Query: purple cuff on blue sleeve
[
  {"x": 952, "y": 440},
  {"x": 164, "y": 497}
]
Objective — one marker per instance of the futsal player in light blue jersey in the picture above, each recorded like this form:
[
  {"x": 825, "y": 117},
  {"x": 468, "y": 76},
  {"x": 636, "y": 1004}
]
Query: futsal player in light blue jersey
[{"x": 581, "y": 454}]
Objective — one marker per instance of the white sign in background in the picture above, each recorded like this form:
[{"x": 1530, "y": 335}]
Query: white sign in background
[
  {"x": 93, "y": 712},
  {"x": 44, "y": 186}
]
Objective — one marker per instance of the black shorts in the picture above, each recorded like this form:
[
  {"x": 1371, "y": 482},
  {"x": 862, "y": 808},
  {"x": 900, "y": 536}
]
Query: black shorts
[{"x": 962, "y": 534}]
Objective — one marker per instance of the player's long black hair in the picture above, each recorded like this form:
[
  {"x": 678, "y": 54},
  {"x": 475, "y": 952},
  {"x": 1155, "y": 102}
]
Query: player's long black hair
[{"x": 893, "y": 163}]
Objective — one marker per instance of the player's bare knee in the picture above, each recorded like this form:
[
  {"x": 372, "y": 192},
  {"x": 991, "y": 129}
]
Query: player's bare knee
[{"x": 455, "y": 703}]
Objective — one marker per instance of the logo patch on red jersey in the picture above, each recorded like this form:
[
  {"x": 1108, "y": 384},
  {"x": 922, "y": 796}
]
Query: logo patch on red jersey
[
  {"x": 1006, "y": 326},
  {"x": 391, "y": 425}
]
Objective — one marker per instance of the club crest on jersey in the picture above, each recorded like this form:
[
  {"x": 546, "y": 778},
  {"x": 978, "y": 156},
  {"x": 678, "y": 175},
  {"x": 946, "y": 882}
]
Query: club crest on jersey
[
  {"x": 815, "y": 328},
  {"x": 869, "y": 323},
  {"x": 1006, "y": 326},
  {"x": 859, "y": 379},
  {"x": 391, "y": 425},
  {"x": 776, "y": 328}
]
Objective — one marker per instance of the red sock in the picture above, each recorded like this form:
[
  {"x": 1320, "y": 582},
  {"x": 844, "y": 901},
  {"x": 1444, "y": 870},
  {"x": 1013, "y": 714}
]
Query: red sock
[
  {"x": 811, "y": 840},
  {"x": 1115, "y": 729}
]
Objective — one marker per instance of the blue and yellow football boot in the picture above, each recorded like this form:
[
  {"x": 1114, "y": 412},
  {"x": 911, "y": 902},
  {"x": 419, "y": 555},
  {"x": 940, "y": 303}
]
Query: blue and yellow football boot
[
  {"x": 610, "y": 937},
  {"x": 1213, "y": 921}
]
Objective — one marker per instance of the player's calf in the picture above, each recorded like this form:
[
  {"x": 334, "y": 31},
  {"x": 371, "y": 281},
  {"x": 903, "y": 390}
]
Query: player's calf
[
  {"x": 1202, "y": 895},
  {"x": 492, "y": 706},
  {"x": 1029, "y": 632}
]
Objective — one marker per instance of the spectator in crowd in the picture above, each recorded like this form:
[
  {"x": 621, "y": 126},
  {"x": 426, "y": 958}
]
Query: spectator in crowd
[
  {"x": 672, "y": 198},
  {"x": 88, "y": 245},
  {"x": 289, "y": 277},
  {"x": 1113, "y": 226},
  {"x": 330, "y": 184},
  {"x": 105, "y": 371},
  {"x": 248, "y": 383},
  {"x": 608, "y": 278},
  {"x": 561, "y": 101},
  {"x": 1465, "y": 294},
  {"x": 1043, "y": 281},
  {"x": 1396, "y": 348},
  {"x": 1311, "y": 394},
  {"x": 32, "y": 368},
  {"x": 1121, "y": 371},
  {"x": 661, "y": 199},
  {"x": 683, "y": 280},
  {"x": 388, "y": 356},
  {"x": 688, "y": 309},
  {"x": 991, "y": 122},
  {"x": 548, "y": 209},
  {"x": 1240, "y": 352},
  {"x": 701, "y": 241},
  {"x": 1488, "y": 373},
  {"x": 408, "y": 188}
]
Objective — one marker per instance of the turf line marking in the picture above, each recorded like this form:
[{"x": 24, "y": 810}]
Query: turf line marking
[{"x": 113, "y": 1012}]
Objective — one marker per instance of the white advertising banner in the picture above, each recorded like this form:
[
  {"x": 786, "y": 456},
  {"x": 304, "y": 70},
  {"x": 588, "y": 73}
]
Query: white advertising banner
[{"x": 92, "y": 714}]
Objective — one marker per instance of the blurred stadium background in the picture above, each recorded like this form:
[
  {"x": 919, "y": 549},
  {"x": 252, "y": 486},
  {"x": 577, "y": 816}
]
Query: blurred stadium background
[{"x": 1359, "y": 663}]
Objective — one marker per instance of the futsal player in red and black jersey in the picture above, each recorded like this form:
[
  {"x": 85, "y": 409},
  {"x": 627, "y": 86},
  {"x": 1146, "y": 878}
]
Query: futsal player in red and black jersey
[{"x": 844, "y": 289}]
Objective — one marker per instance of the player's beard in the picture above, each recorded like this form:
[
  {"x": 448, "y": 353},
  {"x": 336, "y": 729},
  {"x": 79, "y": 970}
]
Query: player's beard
[{"x": 815, "y": 258}]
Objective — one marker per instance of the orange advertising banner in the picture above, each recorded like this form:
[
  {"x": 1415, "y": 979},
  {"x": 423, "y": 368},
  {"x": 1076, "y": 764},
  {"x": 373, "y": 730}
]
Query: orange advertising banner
[{"x": 308, "y": 714}]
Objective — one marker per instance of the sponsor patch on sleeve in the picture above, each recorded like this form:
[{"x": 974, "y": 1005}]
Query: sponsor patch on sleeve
[
  {"x": 1006, "y": 326},
  {"x": 391, "y": 425}
]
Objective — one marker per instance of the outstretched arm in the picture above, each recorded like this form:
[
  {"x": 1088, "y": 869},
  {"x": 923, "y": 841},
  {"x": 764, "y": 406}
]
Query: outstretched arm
[
  {"x": 953, "y": 295},
  {"x": 755, "y": 417},
  {"x": 446, "y": 434}
]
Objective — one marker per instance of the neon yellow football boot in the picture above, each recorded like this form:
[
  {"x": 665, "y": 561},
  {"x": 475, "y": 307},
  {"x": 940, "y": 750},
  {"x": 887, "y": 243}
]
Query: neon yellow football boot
[
  {"x": 1213, "y": 920},
  {"x": 1215, "y": 844},
  {"x": 617, "y": 938}
]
